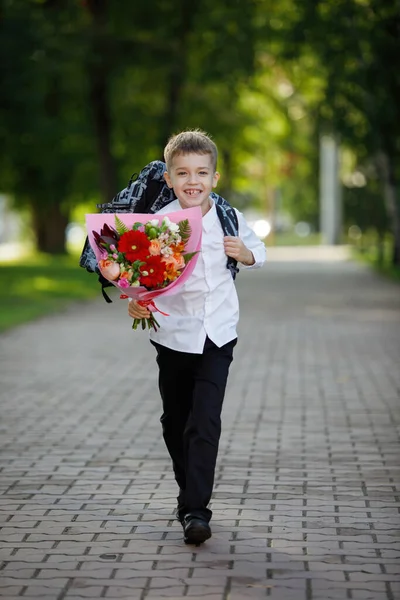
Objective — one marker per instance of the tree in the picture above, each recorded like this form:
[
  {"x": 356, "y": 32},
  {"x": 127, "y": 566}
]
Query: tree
[
  {"x": 357, "y": 43},
  {"x": 42, "y": 124},
  {"x": 105, "y": 86}
]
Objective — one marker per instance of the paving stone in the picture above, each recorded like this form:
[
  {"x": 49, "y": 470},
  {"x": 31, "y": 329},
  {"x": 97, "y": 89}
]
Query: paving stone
[{"x": 306, "y": 502}]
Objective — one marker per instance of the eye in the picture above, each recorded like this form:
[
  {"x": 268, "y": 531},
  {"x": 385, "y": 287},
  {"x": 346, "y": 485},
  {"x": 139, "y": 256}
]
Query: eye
[
  {"x": 181, "y": 173},
  {"x": 203, "y": 172}
]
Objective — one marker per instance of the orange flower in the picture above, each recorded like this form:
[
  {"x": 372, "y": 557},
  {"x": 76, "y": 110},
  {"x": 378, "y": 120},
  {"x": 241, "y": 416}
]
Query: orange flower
[
  {"x": 176, "y": 260},
  {"x": 170, "y": 271},
  {"x": 109, "y": 269},
  {"x": 178, "y": 247},
  {"x": 155, "y": 248},
  {"x": 170, "y": 260},
  {"x": 180, "y": 261}
]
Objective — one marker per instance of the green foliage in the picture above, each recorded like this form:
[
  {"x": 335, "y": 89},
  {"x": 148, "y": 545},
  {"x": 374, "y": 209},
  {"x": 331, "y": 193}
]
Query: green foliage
[
  {"x": 90, "y": 94},
  {"x": 185, "y": 230},
  {"x": 377, "y": 252},
  {"x": 364, "y": 207},
  {"x": 188, "y": 256},
  {"x": 356, "y": 44},
  {"x": 120, "y": 226}
]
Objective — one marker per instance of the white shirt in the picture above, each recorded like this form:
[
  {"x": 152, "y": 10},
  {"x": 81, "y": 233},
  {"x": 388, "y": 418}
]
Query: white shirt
[{"x": 207, "y": 303}]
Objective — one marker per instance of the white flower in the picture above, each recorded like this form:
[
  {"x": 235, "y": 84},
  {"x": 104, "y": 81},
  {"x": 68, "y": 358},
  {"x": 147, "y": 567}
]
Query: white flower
[
  {"x": 173, "y": 227},
  {"x": 154, "y": 222},
  {"x": 163, "y": 238}
]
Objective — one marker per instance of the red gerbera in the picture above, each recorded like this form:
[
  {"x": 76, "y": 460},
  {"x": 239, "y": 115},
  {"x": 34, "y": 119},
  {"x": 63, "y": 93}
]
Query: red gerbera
[
  {"x": 135, "y": 245},
  {"x": 152, "y": 272}
]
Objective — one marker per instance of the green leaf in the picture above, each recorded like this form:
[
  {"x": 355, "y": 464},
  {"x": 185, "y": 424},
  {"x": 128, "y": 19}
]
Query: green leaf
[
  {"x": 120, "y": 226},
  {"x": 184, "y": 230},
  {"x": 188, "y": 256},
  {"x": 138, "y": 263}
]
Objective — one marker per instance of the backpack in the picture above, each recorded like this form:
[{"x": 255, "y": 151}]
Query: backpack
[{"x": 149, "y": 193}]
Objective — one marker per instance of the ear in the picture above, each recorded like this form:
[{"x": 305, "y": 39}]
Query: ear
[
  {"x": 215, "y": 179},
  {"x": 168, "y": 179}
]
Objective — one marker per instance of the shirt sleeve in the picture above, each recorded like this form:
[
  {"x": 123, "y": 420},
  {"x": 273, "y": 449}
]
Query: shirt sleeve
[{"x": 252, "y": 242}]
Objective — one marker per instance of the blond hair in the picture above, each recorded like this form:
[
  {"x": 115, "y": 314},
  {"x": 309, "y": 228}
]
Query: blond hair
[{"x": 193, "y": 141}]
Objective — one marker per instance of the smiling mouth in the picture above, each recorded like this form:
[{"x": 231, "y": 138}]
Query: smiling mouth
[{"x": 192, "y": 192}]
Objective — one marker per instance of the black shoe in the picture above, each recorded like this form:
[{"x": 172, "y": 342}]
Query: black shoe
[
  {"x": 178, "y": 515},
  {"x": 196, "y": 530}
]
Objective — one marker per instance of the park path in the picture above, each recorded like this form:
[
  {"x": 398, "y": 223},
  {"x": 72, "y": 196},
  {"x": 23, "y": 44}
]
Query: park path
[{"x": 306, "y": 503}]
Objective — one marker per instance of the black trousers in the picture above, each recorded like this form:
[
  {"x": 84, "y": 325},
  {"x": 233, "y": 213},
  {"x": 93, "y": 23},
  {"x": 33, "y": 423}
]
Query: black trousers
[{"x": 192, "y": 388}]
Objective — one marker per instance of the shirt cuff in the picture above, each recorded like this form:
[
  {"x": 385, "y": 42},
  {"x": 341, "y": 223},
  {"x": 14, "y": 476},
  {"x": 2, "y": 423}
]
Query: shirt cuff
[{"x": 259, "y": 259}]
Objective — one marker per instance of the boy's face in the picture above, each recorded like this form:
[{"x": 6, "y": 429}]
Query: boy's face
[{"x": 192, "y": 177}]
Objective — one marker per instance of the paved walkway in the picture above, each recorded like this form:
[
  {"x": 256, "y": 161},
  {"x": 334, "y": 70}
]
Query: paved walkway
[{"x": 306, "y": 503}]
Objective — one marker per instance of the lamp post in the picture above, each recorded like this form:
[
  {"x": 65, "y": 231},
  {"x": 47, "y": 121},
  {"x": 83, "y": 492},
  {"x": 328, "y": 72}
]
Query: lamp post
[{"x": 330, "y": 191}]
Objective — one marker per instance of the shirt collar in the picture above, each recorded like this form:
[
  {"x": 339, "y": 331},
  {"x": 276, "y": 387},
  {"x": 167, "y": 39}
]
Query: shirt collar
[{"x": 210, "y": 217}]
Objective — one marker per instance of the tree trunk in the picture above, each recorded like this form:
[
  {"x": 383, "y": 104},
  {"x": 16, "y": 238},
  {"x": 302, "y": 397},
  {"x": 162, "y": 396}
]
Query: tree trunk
[
  {"x": 49, "y": 220},
  {"x": 49, "y": 228},
  {"x": 178, "y": 68},
  {"x": 386, "y": 168},
  {"x": 225, "y": 189},
  {"x": 380, "y": 248},
  {"x": 98, "y": 73}
]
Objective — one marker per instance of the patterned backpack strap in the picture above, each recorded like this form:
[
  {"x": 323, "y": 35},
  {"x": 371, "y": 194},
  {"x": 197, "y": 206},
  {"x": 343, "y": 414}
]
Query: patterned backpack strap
[
  {"x": 145, "y": 193},
  {"x": 148, "y": 193},
  {"x": 230, "y": 226},
  {"x": 122, "y": 202},
  {"x": 158, "y": 194}
]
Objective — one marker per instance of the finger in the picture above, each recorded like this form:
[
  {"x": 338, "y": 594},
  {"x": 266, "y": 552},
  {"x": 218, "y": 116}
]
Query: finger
[
  {"x": 138, "y": 316},
  {"x": 232, "y": 242},
  {"x": 231, "y": 246},
  {"x": 138, "y": 313},
  {"x": 233, "y": 254},
  {"x": 231, "y": 249},
  {"x": 137, "y": 310}
]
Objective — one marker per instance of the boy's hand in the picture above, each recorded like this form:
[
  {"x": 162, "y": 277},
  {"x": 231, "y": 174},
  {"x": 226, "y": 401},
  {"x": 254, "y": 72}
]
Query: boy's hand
[
  {"x": 235, "y": 248},
  {"x": 136, "y": 311}
]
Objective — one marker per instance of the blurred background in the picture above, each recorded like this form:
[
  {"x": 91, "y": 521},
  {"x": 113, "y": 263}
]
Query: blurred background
[{"x": 302, "y": 99}]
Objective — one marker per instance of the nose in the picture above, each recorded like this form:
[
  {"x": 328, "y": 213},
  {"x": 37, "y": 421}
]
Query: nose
[{"x": 193, "y": 178}]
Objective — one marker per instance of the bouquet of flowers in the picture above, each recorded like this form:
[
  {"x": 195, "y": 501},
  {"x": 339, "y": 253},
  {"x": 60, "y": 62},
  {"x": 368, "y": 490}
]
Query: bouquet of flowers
[{"x": 146, "y": 257}]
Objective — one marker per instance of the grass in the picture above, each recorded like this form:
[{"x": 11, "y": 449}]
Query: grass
[
  {"x": 42, "y": 285},
  {"x": 385, "y": 268},
  {"x": 368, "y": 254}
]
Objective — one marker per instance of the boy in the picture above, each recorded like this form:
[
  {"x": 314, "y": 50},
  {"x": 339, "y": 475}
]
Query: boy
[{"x": 195, "y": 342}]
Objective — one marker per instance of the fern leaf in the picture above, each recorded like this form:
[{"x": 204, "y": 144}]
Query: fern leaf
[
  {"x": 120, "y": 226},
  {"x": 185, "y": 230}
]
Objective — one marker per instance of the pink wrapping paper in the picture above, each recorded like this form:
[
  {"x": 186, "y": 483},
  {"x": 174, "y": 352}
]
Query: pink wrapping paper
[{"x": 96, "y": 221}]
